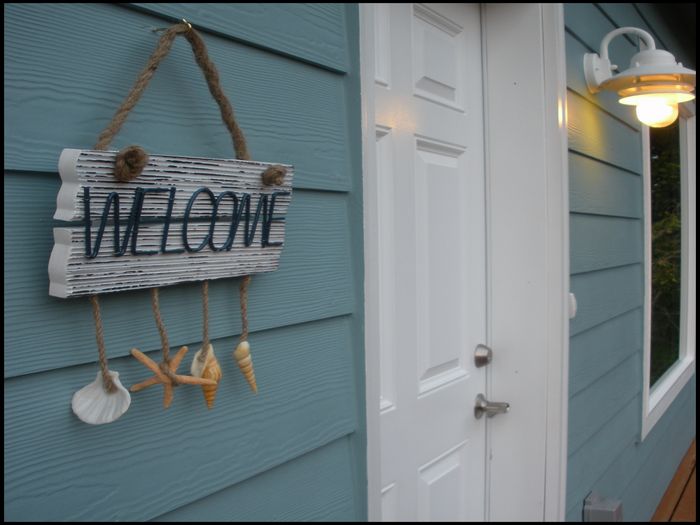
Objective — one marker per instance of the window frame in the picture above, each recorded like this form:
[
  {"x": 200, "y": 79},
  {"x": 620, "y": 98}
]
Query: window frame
[{"x": 657, "y": 398}]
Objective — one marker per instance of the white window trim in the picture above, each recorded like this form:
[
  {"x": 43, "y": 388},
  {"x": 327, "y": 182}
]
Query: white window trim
[{"x": 659, "y": 397}]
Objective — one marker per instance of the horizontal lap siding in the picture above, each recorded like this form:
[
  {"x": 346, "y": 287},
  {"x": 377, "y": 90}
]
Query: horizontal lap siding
[
  {"x": 312, "y": 32},
  {"x": 281, "y": 494},
  {"x": 607, "y": 277},
  {"x": 151, "y": 461},
  {"x": 296, "y": 449},
  {"x": 303, "y": 289},
  {"x": 73, "y": 67}
]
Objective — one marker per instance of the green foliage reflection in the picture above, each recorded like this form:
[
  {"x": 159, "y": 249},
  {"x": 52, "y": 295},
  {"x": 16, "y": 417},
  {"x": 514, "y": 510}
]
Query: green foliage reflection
[{"x": 666, "y": 248}]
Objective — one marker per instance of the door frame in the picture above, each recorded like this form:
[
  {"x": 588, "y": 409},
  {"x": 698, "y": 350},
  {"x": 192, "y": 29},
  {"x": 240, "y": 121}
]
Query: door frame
[{"x": 523, "y": 97}]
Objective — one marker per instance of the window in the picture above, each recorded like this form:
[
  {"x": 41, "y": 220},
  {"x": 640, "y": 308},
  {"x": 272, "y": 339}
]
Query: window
[
  {"x": 669, "y": 326},
  {"x": 666, "y": 247}
]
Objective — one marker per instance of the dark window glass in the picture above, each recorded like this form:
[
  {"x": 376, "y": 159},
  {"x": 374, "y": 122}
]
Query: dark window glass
[{"x": 665, "y": 248}]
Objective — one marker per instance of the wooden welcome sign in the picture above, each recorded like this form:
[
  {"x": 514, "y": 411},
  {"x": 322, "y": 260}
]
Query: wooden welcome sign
[
  {"x": 183, "y": 219},
  {"x": 148, "y": 221}
]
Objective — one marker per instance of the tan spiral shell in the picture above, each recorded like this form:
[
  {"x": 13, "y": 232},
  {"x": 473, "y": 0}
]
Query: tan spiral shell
[
  {"x": 245, "y": 363},
  {"x": 208, "y": 369}
]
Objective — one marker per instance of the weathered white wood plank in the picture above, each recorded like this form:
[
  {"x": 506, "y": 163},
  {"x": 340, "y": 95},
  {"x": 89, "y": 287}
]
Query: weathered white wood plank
[
  {"x": 94, "y": 169},
  {"x": 73, "y": 273}
]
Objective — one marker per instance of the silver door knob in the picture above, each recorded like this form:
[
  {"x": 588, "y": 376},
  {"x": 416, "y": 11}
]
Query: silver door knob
[{"x": 484, "y": 406}]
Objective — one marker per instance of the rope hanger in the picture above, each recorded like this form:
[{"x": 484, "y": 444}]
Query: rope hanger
[{"x": 130, "y": 162}]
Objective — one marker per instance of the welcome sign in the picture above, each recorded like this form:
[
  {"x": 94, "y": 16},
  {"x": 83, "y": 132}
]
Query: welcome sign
[{"x": 183, "y": 219}]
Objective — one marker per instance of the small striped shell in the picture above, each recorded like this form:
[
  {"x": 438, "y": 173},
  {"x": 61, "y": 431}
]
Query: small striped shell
[
  {"x": 208, "y": 369},
  {"x": 93, "y": 405},
  {"x": 245, "y": 363}
]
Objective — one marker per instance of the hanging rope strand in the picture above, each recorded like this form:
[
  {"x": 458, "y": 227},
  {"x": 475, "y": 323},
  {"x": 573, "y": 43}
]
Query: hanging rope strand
[
  {"x": 130, "y": 161},
  {"x": 244, "y": 308},
  {"x": 155, "y": 305},
  {"x": 210, "y": 74},
  {"x": 242, "y": 352},
  {"x": 205, "y": 322},
  {"x": 165, "y": 345},
  {"x": 109, "y": 385}
]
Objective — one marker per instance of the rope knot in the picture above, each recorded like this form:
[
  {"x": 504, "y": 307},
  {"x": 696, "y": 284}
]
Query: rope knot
[
  {"x": 274, "y": 175},
  {"x": 165, "y": 368},
  {"x": 109, "y": 386},
  {"x": 129, "y": 163}
]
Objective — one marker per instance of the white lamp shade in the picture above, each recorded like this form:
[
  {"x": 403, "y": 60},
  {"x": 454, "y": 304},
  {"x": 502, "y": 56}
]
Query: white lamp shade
[
  {"x": 654, "y": 82},
  {"x": 652, "y": 70}
]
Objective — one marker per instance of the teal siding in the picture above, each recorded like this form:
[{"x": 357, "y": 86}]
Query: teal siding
[
  {"x": 296, "y": 451},
  {"x": 607, "y": 275},
  {"x": 282, "y": 494}
]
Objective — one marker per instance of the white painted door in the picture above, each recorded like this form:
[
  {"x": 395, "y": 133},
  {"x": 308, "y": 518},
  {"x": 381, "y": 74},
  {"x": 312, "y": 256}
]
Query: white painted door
[
  {"x": 466, "y": 242},
  {"x": 432, "y": 276}
]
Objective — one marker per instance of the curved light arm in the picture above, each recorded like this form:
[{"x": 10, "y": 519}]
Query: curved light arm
[
  {"x": 597, "y": 68},
  {"x": 648, "y": 39}
]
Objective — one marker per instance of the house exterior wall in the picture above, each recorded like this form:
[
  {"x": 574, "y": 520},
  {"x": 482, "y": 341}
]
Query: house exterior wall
[
  {"x": 294, "y": 451},
  {"x": 607, "y": 276}
]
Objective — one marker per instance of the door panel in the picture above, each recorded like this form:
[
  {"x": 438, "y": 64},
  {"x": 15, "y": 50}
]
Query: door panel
[{"x": 430, "y": 168}]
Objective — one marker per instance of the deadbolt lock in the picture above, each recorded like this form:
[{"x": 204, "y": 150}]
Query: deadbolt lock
[{"x": 482, "y": 355}]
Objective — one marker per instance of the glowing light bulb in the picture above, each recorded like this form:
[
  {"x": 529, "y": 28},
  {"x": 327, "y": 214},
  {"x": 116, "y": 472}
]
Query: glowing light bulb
[
  {"x": 657, "y": 113},
  {"x": 656, "y": 109}
]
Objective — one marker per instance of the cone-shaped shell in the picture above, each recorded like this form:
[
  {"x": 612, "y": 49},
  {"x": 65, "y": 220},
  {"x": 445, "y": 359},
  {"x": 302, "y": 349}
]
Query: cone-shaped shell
[
  {"x": 245, "y": 363},
  {"x": 208, "y": 369},
  {"x": 93, "y": 405}
]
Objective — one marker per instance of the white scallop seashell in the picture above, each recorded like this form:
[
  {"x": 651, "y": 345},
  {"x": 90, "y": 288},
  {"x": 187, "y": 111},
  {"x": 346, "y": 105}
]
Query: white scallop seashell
[{"x": 93, "y": 405}]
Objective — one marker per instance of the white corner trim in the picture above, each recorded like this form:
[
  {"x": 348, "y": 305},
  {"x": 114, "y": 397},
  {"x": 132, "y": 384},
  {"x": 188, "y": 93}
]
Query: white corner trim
[
  {"x": 657, "y": 399},
  {"x": 557, "y": 165}
]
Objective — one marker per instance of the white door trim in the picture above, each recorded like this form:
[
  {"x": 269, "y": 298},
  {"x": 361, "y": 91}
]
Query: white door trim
[
  {"x": 527, "y": 171},
  {"x": 542, "y": 204}
]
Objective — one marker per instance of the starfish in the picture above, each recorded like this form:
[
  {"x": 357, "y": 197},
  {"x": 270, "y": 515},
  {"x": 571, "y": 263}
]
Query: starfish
[{"x": 161, "y": 377}]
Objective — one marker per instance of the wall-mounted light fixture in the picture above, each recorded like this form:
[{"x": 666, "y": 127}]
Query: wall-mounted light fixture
[{"x": 654, "y": 82}]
